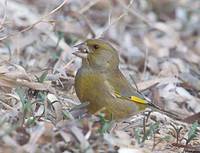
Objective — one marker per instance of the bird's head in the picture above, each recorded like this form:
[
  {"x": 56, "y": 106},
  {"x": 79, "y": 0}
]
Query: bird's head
[{"x": 97, "y": 53}]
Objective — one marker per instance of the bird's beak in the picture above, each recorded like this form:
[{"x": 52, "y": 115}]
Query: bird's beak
[{"x": 82, "y": 50}]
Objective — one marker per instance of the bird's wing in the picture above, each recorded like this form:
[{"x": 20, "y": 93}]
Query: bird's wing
[{"x": 123, "y": 89}]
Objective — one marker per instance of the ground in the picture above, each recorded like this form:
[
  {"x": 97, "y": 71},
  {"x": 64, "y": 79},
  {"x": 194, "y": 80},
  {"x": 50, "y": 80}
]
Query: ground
[{"x": 159, "y": 47}]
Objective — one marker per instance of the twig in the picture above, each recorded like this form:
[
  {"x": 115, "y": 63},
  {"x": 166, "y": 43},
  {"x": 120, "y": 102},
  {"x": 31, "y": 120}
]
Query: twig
[
  {"x": 137, "y": 89},
  {"x": 7, "y": 106},
  {"x": 134, "y": 13},
  {"x": 88, "y": 26},
  {"x": 117, "y": 19},
  {"x": 177, "y": 130},
  {"x": 83, "y": 19},
  {"x": 134, "y": 83},
  {"x": 4, "y": 16},
  {"x": 187, "y": 148},
  {"x": 87, "y": 7},
  {"x": 144, "y": 128},
  {"x": 35, "y": 23},
  {"x": 145, "y": 62}
]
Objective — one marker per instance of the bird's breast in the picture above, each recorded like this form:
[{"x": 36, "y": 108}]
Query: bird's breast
[{"x": 95, "y": 87}]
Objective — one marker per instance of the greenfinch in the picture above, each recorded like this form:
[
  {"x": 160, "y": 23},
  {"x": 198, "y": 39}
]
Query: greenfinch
[{"x": 100, "y": 82}]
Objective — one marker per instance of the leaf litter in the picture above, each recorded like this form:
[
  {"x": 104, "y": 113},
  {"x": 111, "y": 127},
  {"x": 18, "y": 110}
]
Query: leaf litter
[{"x": 159, "y": 51}]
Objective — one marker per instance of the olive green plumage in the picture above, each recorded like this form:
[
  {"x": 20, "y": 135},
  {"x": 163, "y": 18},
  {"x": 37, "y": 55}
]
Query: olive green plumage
[{"x": 99, "y": 79}]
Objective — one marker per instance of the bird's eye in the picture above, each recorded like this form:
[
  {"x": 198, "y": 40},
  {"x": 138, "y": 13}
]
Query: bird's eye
[{"x": 96, "y": 46}]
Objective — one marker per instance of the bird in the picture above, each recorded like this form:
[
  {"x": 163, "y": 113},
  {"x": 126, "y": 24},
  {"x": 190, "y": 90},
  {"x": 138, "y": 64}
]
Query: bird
[{"x": 100, "y": 82}]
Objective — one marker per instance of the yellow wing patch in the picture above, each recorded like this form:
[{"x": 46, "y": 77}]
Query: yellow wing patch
[
  {"x": 132, "y": 98},
  {"x": 138, "y": 100}
]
